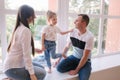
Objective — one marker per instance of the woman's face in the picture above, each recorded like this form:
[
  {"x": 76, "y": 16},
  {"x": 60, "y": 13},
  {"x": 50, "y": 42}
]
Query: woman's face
[{"x": 31, "y": 19}]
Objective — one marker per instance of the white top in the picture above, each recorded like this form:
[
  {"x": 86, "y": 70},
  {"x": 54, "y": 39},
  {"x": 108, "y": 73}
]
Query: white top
[
  {"x": 19, "y": 55},
  {"x": 50, "y": 32},
  {"x": 85, "y": 41}
]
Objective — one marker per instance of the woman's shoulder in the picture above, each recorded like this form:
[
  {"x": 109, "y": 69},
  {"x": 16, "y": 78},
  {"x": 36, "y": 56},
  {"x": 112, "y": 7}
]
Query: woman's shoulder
[{"x": 25, "y": 29}]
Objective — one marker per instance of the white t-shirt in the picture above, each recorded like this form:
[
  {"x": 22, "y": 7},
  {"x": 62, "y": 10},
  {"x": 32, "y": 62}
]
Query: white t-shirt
[
  {"x": 81, "y": 42},
  {"x": 51, "y": 32},
  {"x": 19, "y": 55}
]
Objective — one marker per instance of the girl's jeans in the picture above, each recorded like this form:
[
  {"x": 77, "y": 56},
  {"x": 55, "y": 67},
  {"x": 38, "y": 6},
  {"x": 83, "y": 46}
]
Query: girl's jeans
[{"x": 50, "y": 49}]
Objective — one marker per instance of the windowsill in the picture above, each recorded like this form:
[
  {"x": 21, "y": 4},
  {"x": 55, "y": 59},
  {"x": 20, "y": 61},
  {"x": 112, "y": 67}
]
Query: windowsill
[{"x": 105, "y": 54}]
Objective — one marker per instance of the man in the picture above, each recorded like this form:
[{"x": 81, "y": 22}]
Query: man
[{"x": 82, "y": 42}]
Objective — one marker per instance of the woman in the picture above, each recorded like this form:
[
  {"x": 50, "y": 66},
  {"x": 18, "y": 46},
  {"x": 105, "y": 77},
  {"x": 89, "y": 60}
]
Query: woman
[{"x": 18, "y": 63}]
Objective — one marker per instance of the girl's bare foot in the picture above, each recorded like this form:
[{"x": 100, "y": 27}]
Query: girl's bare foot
[
  {"x": 55, "y": 64},
  {"x": 49, "y": 71}
]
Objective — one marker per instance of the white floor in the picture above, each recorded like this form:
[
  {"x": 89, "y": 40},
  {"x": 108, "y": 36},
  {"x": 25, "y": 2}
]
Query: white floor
[
  {"x": 1, "y": 72},
  {"x": 55, "y": 75}
]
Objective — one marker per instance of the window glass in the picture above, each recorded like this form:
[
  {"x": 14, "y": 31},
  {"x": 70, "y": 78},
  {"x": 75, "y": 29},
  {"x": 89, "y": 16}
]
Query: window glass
[
  {"x": 0, "y": 51},
  {"x": 106, "y": 6},
  {"x": 84, "y": 6},
  {"x": 39, "y": 5},
  {"x": 40, "y": 22},
  {"x": 10, "y": 23}
]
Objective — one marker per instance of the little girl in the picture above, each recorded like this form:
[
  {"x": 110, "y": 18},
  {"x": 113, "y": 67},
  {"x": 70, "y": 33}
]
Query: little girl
[{"x": 49, "y": 35}]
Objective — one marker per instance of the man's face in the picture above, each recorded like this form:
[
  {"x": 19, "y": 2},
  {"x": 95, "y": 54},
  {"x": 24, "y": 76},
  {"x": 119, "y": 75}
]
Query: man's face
[{"x": 78, "y": 22}]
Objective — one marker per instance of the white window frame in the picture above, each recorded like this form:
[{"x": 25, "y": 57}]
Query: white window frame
[
  {"x": 63, "y": 14},
  {"x": 63, "y": 10},
  {"x": 3, "y": 27}
]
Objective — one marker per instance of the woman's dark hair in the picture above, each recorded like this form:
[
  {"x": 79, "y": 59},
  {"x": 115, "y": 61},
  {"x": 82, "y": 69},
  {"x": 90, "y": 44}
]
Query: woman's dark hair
[
  {"x": 24, "y": 13},
  {"x": 85, "y": 18}
]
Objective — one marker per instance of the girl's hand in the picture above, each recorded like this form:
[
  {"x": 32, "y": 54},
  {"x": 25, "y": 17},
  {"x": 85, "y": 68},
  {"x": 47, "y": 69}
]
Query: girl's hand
[
  {"x": 38, "y": 50},
  {"x": 43, "y": 47},
  {"x": 33, "y": 77},
  {"x": 71, "y": 30}
]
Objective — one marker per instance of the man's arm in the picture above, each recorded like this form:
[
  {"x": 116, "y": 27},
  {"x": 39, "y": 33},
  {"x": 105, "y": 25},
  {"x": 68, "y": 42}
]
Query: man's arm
[
  {"x": 81, "y": 63},
  {"x": 83, "y": 59},
  {"x": 66, "y": 48}
]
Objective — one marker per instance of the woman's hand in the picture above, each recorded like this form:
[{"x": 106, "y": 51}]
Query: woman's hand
[{"x": 33, "y": 77}]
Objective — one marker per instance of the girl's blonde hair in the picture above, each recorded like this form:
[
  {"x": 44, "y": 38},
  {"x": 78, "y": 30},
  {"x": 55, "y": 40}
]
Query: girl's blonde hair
[{"x": 50, "y": 14}]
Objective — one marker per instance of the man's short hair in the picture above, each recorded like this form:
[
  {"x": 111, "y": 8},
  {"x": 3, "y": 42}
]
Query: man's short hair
[{"x": 85, "y": 18}]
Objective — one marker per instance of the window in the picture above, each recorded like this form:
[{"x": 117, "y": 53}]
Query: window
[
  {"x": 0, "y": 51},
  {"x": 40, "y": 22},
  {"x": 11, "y": 7},
  {"x": 104, "y": 21},
  {"x": 38, "y": 5},
  {"x": 84, "y": 6},
  {"x": 10, "y": 23}
]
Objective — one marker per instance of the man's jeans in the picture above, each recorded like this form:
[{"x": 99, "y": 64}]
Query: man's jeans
[
  {"x": 71, "y": 63},
  {"x": 50, "y": 50}
]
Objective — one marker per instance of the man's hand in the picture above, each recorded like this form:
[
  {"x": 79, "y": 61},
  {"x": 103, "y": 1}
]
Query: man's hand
[
  {"x": 73, "y": 72},
  {"x": 64, "y": 56}
]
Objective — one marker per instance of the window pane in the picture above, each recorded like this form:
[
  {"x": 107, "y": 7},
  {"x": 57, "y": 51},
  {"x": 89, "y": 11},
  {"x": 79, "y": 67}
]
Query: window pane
[
  {"x": 39, "y": 5},
  {"x": 106, "y": 6},
  {"x": 93, "y": 27},
  {"x": 40, "y": 22},
  {"x": 112, "y": 38},
  {"x": 84, "y": 6},
  {"x": 10, "y": 23},
  {"x": 0, "y": 51}
]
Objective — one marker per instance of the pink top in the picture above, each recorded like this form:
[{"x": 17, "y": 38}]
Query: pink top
[{"x": 19, "y": 55}]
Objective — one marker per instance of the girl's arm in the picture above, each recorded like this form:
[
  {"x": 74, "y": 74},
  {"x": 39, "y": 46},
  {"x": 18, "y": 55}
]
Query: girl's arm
[
  {"x": 43, "y": 39},
  {"x": 38, "y": 50},
  {"x": 62, "y": 33}
]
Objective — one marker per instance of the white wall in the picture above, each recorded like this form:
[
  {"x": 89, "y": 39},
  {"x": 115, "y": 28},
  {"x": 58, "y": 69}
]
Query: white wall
[{"x": 105, "y": 62}]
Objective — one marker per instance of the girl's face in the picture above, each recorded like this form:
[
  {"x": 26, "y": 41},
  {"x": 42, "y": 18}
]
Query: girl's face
[{"x": 53, "y": 21}]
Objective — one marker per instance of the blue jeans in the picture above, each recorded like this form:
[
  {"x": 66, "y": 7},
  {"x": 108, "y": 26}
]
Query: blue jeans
[
  {"x": 23, "y": 74},
  {"x": 71, "y": 63},
  {"x": 50, "y": 50}
]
